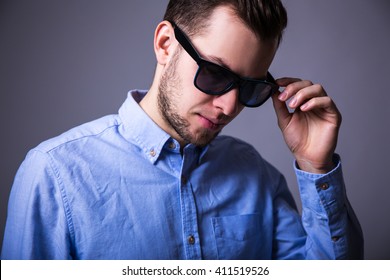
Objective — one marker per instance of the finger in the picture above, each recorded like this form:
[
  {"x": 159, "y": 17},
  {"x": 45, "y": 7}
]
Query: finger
[
  {"x": 281, "y": 110},
  {"x": 292, "y": 88},
  {"x": 283, "y": 82},
  {"x": 325, "y": 103},
  {"x": 305, "y": 94}
]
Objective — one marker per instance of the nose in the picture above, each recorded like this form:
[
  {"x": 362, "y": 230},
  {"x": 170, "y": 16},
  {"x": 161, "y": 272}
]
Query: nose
[{"x": 228, "y": 103}]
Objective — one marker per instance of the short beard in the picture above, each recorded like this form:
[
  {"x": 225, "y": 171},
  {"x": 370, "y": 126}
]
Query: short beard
[{"x": 170, "y": 90}]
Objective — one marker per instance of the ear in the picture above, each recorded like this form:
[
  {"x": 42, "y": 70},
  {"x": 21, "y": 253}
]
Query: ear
[{"x": 164, "y": 42}]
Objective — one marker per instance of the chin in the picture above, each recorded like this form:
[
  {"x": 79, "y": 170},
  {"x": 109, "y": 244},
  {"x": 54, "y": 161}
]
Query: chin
[{"x": 204, "y": 138}]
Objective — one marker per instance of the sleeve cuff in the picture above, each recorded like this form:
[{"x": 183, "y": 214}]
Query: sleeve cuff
[{"x": 322, "y": 192}]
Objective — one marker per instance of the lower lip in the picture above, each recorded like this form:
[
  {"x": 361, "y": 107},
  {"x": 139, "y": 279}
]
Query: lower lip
[{"x": 208, "y": 124}]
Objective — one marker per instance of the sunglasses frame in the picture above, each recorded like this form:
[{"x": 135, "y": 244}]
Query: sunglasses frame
[{"x": 185, "y": 42}]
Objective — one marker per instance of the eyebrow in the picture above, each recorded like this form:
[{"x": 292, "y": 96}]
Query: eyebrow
[
  {"x": 214, "y": 59},
  {"x": 219, "y": 61}
]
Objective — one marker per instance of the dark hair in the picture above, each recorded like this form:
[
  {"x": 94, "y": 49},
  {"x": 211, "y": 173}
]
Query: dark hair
[{"x": 266, "y": 18}]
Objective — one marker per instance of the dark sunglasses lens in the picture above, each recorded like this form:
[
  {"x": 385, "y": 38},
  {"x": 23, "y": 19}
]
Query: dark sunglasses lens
[
  {"x": 254, "y": 94},
  {"x": 213, "y": 79}
]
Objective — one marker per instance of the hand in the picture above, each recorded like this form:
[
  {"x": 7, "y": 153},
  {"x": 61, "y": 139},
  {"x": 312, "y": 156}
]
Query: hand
[{"x": 310, "y": 131}]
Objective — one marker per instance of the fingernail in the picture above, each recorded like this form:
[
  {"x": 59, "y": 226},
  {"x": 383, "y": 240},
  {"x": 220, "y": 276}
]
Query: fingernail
[
  {"x": 283, "y": 96},
  {"x": 304, "y": 106},
  {"x": 293, "y": 102}
]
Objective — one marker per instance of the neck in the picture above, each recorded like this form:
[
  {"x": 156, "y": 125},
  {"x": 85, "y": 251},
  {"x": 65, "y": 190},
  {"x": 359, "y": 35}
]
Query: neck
[{"x": 150, "y": 106}]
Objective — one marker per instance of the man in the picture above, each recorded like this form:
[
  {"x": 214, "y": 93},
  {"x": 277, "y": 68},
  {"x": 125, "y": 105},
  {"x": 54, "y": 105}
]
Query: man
[{"x": 157, "y": 182}]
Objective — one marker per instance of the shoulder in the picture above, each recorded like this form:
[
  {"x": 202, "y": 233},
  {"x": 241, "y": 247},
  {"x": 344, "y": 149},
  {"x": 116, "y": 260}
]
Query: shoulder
[
  {"x": 72, "y": 150},
  {"x": 79, "y": 134}
]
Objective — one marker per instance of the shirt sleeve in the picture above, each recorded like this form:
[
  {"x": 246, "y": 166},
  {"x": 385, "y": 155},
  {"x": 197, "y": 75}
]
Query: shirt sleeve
[
  {"x": 331, "y": 226},
  {"x": 37, "y": 224}
]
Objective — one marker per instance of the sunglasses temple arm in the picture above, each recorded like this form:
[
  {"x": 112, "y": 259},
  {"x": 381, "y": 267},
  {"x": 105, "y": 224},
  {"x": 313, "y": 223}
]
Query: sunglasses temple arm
[
  {"x": 184, "y": 41},
  {"x": 271, "y": 80}
]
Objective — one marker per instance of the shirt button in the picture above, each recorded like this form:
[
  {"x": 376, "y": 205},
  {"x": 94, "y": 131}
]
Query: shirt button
[
  {"x": 152, "y": 153},
  {"x": 191, "y": 240},
  {"x": 172, "y": 145},
  {"x": 324, "y": 186},
  {"x": 335, "y": 238}
]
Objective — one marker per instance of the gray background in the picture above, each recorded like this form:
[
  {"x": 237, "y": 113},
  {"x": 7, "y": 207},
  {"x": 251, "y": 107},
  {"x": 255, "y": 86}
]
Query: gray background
[{"x": 63, "y": 63}]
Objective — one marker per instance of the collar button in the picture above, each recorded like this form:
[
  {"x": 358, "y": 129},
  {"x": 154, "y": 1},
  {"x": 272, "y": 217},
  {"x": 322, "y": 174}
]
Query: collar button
[{"x": 152, "y": 153}]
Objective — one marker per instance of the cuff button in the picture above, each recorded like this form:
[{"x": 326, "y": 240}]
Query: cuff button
[{"x": 324, "y": 186}]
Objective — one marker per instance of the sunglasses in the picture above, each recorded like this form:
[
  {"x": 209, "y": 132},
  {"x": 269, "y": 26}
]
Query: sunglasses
[{"x": 214, "y": 79}]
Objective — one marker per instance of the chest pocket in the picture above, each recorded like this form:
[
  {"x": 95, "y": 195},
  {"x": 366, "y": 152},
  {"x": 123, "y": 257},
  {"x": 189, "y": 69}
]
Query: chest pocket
[{"x": 239, "y": 237}]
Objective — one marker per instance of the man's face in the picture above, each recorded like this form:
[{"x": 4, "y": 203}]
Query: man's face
[{"x": 192, "y": 116}]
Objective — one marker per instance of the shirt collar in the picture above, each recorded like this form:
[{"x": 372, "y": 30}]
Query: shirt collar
[{"x": 139, "y": 129}]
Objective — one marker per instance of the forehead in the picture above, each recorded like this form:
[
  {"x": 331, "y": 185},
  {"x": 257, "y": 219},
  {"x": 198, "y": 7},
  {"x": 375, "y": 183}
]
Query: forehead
[{"x": 228, "y": 41}]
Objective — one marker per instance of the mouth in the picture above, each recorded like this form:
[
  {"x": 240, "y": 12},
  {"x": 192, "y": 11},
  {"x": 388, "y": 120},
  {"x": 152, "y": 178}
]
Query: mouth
[{"x": 211, "y": 123}]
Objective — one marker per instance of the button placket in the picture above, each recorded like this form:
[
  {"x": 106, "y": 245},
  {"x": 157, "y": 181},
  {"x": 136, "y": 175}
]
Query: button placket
[{"x": 191, "y": 237}]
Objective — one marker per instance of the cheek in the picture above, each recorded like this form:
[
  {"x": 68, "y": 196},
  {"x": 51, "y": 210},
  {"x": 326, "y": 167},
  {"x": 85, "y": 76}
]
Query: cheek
[
  {"x": 191, "y": 99},
  {"x": 187, "y": 68},
  {"x": 240, "y": 108},
  {"x": 190, "y": 94}
]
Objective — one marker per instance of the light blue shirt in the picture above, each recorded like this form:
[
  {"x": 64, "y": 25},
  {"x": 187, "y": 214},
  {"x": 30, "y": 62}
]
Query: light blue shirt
[{"x": 119, "y": 188}]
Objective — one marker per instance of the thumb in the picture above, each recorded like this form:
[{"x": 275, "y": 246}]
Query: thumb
[{"x": 281, "y": 110}]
